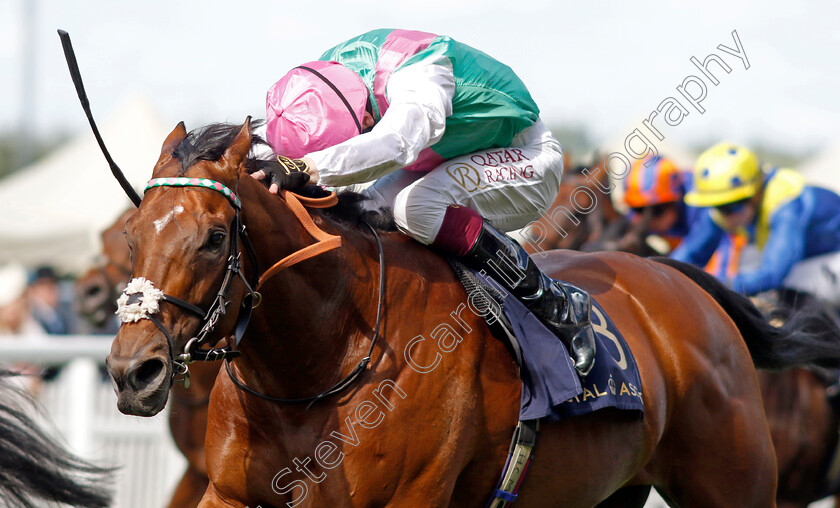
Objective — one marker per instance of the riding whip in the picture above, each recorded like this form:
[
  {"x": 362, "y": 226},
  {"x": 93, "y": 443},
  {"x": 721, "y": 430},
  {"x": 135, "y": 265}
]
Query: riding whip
[{"x": 70, "y": 56}]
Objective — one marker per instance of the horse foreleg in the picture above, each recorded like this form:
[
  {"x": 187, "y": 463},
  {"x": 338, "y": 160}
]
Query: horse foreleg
[{"x": 190, "y": 490}]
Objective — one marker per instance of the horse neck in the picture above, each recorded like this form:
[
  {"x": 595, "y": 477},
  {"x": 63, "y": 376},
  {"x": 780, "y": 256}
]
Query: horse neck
[
  {"x": 604, "y": 198},
  {"x": 314, "y": 314}
]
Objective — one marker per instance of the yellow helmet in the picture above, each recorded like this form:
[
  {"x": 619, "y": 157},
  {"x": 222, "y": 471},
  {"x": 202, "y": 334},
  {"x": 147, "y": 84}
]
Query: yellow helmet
[{"x": 725, "y": 173}]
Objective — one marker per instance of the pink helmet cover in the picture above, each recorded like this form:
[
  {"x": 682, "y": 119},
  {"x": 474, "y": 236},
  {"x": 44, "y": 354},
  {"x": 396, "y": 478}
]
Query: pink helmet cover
[{"x": 304, "y": 114}]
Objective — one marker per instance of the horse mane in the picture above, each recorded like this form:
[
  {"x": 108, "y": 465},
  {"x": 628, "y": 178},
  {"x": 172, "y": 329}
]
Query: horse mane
[
  {"x": 210, "y": 142},
  {"x": 34, "y": 467}
]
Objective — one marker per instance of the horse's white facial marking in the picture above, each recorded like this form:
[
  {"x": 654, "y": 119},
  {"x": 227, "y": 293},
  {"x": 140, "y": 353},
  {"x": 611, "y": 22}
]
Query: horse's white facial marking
[{"x": 166, "y": 219}]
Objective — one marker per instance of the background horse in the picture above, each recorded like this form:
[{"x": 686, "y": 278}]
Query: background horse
[
  {"x": 408, "y": 433},
  {"x": 34, "y": 468},
  {"x": 97, "y": 289},
  {"x": 582, "y": 217},
  {"x": 803, "y": 425},
  {"x": 96, "y": 293},
  {"x": 579, "y": 213},
  {"x": 804, "y": 428}
]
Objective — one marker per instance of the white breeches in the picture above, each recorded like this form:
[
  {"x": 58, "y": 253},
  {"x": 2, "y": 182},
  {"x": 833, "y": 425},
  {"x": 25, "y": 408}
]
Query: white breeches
[
  {"x": 819, "y": 276},
  {"x": 510, "y": 187}
]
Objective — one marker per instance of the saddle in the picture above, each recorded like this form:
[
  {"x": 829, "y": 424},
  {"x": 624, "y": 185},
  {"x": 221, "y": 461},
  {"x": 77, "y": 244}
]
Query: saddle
[
  {"x": 551, "y": 388},
  {"x": 488, "y": 302}
]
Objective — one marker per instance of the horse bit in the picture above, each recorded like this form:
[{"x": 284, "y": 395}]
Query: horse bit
[
  {"x": 146, "y": 307},
  {"x": 140, "y": 292},
  {"x": 140, "y": 298}
]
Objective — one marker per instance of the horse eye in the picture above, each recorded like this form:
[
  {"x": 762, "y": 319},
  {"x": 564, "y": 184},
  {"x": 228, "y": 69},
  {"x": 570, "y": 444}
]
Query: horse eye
[{"x": 216, "y": 238}]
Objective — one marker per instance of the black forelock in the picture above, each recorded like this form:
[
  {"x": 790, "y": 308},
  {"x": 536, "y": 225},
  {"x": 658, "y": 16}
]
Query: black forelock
[{"x": 209, "y": 143}]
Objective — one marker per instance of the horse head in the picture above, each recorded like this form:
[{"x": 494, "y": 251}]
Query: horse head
[
  {"x": 98, "y": 289},
  {"x": 181, "y": 239}
]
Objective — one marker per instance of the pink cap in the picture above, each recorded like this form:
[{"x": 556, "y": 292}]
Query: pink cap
[{"x": 305, "y": 114}]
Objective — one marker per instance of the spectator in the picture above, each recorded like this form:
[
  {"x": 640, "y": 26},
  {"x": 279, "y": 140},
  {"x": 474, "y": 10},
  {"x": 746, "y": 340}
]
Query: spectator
[
  {"x": 43, "y": 298},
  {"x": 15, "y": 317}
]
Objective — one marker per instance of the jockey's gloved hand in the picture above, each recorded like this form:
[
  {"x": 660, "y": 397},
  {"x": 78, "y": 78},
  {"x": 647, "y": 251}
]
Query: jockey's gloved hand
[{"x": 285, "y": 173}]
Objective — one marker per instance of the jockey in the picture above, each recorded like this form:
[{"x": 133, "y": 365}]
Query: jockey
[
  {"x": 654, "y": 192},
  {"x": 795, "y": 227},
  {"x": 453, "y": 144}
]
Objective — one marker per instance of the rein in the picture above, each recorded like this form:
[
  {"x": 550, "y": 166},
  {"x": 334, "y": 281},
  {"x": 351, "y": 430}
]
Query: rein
[
  {"x": 210, "y": 318},
  {"x": 325, "y": 242},
  {"x": 192, "y": 349},
  {"x": 362, "y": 365}
]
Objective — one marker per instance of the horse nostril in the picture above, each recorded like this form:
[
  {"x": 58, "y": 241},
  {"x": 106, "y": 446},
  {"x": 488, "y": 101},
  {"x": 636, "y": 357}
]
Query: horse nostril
[
  {"x": 145, "y": 373},
  {"x": 119, "y": 384}
]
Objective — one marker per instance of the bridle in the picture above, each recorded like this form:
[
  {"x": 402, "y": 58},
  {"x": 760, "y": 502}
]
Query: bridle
[
  {"x": 360, "y": 367},
  {"x": 210, "y": 318},
  {"x": 218, "y": 308},
  {"x": 325, "y": 242}
]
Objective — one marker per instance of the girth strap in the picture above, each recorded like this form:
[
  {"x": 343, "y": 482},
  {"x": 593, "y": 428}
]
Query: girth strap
[{"x": 521, "y": 454}]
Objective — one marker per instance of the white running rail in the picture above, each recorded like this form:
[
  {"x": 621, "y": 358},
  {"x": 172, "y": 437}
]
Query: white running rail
[{"x": 82, "y": 408}]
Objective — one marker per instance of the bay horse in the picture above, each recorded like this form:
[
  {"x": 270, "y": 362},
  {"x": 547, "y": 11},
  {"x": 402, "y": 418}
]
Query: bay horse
[
  {"x": 579, "y": 214},
  {"x": 97, "y": 289},
  {"x": 804, "y": 428},
  {"x": 428, "y": 420},
  {"x": 35, "y": 468},
  {"x": 583, "y": 217},
  {"x": 803, "y": 424},
  {"x": 96, "y": 293}
]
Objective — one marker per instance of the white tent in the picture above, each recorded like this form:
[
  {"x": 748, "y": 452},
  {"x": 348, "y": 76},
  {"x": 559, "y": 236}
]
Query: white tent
[
  {"x": 824, "y": 168},
  {"x": 54, "y": 210}
]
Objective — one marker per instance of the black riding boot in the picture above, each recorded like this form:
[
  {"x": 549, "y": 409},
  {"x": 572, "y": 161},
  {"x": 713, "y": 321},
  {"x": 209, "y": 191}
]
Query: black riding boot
[{"x": 564, "y": 308}]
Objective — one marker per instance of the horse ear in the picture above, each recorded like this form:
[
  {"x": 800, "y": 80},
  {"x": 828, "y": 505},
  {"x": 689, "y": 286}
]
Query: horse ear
[
  {"x": 170, "y": 144},
  {"x": 238, "y": 150}
]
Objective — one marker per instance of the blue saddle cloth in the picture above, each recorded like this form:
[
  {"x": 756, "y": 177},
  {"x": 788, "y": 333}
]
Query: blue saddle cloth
[{"x": 551, "y": 388}]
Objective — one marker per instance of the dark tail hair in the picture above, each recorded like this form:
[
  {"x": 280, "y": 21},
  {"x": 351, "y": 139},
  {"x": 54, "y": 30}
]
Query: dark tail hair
[
  {"x": 808, "y": 338},
  {"x": 34, "y": 468}
]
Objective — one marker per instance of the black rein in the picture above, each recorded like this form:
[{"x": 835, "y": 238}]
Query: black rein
[
  {"x": 193, "y": 351},
  {"x": 354, "y": 375}
]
